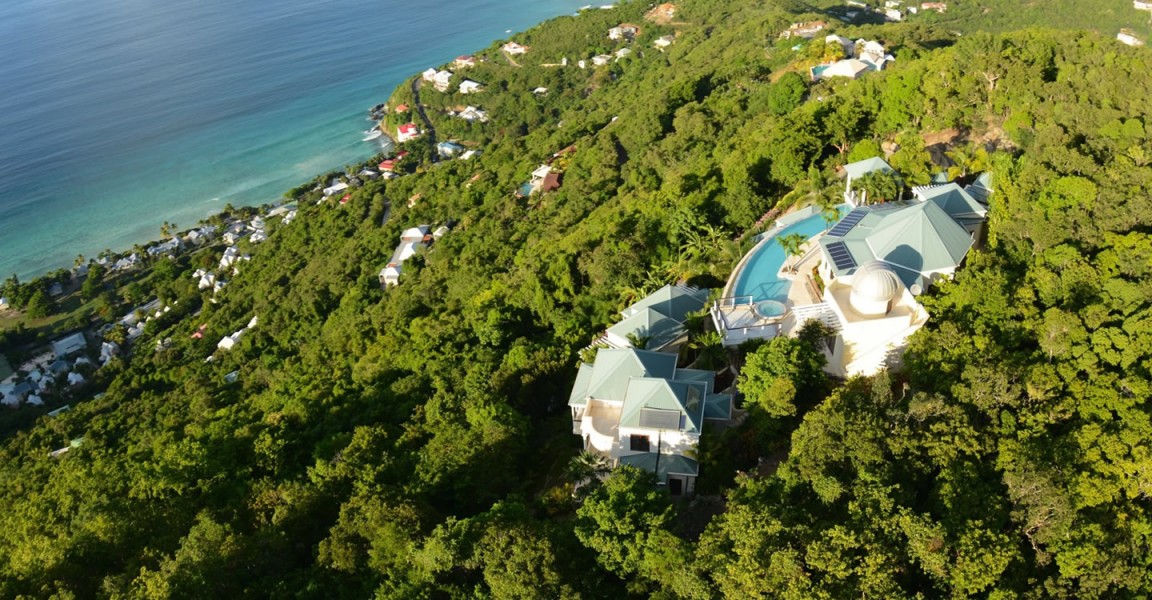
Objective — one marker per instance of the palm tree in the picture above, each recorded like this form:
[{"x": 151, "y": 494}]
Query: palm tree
[
  {"x": 586, "y": 466},
  {"x": 792, "y": 244},
  {"x": 710, "y": 353},
  {"x": 965, "y": 160},
  {"x": 878, "y": 187}
]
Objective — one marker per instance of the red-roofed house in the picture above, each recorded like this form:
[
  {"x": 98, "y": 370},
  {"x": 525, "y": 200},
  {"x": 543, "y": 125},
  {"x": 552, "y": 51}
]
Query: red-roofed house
[
  {"x": 346, "y": 198},
  {"x": 465, "y": 61},
  {"x": 402, "y": 108},
  {"x": 406, "y": 132},
  {"x": 388, "y": 165}
]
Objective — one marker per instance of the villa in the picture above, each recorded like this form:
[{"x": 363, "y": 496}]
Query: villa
[
  {"x": 804, "y": 30},
  {"x": 624, "y": 31},
  {"x": 637, "y": 408},
  {"x": 872, "y": 265},
  {"x": 657, "y": 319},
  {"x": 470, "y": 87},
  {"x": 404, "y": 133},
  {"x": 867, "y": 56},
  {"x": 411, "y": 240},
  {"x": 514, "y": 48},
  {"x": 464, "y": 61}
]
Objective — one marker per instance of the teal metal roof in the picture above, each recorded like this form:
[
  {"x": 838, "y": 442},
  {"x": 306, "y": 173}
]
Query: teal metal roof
[
  {"x": 917, "y": 238},
  {"x": 662, "y": 464},
  {"x": 959, "y": 205},
  {"x": 609, "y": 376},
  {"x": 718, "y": 407},
  {"x": 866, "y": 166},
  {"x": 980, "y": 189},
  {"x": 672, "y": 301},
  {"x": 579, "y": 396},
  {"x": 650, "y": 323},
  {"x": 684, "y": 397}
]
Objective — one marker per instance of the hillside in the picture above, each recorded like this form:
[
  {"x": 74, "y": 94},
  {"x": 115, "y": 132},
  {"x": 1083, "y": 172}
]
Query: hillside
[{"x": 414, "y": 441}]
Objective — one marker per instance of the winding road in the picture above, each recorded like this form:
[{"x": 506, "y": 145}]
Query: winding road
[{"x": 429, "y": 130}]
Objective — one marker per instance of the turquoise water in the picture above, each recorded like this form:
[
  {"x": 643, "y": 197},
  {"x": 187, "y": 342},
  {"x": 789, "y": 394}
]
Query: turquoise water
[
  {"x": 116, "y": 115},
  {"x": 758, "y": 278}
]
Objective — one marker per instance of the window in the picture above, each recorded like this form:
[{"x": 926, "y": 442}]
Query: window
[{"x": 638, "y": 443}]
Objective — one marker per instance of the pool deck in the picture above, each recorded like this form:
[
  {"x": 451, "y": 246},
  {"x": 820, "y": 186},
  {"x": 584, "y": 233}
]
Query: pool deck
[{"x": 738, "y": 321}]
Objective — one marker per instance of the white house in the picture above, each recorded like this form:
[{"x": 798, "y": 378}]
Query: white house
[
  {"x": 404, "y": 133},
  {"x": 514, "y": 48},
  {"x": 601, "y": 59},
  {"x": 464, "y": 61},
  {"x": 441, "y": 80},
  {"x": 1127, "y": 36},
  {"x": 411, "y": 241},
  {"x": 636, "y": 407},
  {"x": 624, "y": 31},
  {"x": 1141, "y": 5},
  {"x": 473, "y": 114},
  {"x": 470, "y": 87},
  {"x": 429, "y": 75},
  {"x": 664, "y": 41},
  {"x": 851, "y": 68},
  {"x": 335, "y": 189}
]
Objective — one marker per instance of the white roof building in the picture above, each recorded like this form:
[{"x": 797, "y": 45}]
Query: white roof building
[{"x": 469, "y": 87}]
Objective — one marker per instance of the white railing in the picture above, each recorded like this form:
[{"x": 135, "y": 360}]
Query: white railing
[
  {"x": 822, "y": 312},
  {"x": 732, "y": 301}
]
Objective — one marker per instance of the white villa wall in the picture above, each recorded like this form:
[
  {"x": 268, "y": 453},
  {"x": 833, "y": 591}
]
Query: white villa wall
[{"x": 671, "y": 442}]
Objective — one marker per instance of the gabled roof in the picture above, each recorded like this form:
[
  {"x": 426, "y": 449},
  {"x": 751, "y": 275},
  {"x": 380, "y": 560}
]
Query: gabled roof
[
  {"x": 956, "y": 202},
  {"x": 652, "y": 324},
  {"x": 718, "y": 407},
  {"x": 661, "y": 397},
  {"x": 980, "y": 189},
  {"x": 866, "y": 166},
  {"x": 675, "y": 302},
  {"x": 579, "y": 396},
  {"x": 614, "y": 368}
]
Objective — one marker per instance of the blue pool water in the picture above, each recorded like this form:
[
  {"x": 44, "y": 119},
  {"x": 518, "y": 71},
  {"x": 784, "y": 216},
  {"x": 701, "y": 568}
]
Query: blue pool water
[{"x": 758, "y": 278}]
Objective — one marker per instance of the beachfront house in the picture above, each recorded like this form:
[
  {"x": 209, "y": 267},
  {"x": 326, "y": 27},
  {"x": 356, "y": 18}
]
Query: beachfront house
[
  {"x": 635, "y": 407},
  {"x": 411, "y": 241},
  {"x": 464, "y": 61},
  {"x": 657, "y": 320},
  {"x": 404, "y": 133}
]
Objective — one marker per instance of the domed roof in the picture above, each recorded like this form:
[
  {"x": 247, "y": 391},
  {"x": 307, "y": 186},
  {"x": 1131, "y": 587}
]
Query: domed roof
[{"x": 876, "y": 281}]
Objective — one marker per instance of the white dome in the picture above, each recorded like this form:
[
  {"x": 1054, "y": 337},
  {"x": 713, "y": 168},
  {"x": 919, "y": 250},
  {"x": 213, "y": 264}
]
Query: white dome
[{"x": 876, "y": 281}]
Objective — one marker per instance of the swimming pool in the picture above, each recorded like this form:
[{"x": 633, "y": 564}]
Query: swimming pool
[{"x": 758, "y": 277}]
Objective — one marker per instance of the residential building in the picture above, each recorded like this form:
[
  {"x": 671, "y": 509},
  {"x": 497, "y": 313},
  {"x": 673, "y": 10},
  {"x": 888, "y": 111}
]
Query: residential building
[
  {"x": 806, "y": 30},
  {"x": 404, "y": 133},
  {"x": 854, "y": 171},
  {"x": 664, "y": 41},
  {"x": 464, "y": 61},
  {"x": 69, "y": 345},
  {"x": 658, "y": 319},
  {"x": 637, "y": 408},
  {"x": 449, "y": 149},
  {"x": 936, "y": 6},
  {"x": 411, "y": 241},
  {"x": 473, "y": 115},
  {"x": 441, "y": 80},
  {"x": 514, "y": 48},
  {"x": 623, "y": 31},
  {"x": 1141, "y": 5},
  {"x": 1127, "y": 36},
  {"x": 470, "y": 87}
]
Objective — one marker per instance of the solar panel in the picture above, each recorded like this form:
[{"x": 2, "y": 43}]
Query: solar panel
[
  {"x": 848, "y": 222},
  {"x": 841, "y": 257},
  {"x": 658, "y": 418}
]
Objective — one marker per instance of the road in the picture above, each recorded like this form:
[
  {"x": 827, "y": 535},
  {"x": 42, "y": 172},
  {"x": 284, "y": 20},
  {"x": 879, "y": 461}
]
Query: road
[{"x": 429, "y": 130}]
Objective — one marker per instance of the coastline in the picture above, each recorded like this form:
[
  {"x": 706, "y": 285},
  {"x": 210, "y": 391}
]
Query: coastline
[{"x": 119, "y": 188}]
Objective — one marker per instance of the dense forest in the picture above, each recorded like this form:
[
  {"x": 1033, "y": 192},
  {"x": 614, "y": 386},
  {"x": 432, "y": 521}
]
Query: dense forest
[{"x": 413, "y": 442}]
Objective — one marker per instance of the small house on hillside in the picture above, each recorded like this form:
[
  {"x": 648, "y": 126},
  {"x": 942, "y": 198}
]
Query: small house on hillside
[
  {"x": 636, "y": 408},
  {"x": 806, "y": 30},
  {"x": 411, "y": 241},
  {"x": 1127, "y": 36},
  {"x": 407, "y": 132},
  {"x": 658, "y": 319},
  {"x": 514, "y": 48},
  {"x": 470, "y": 87},
  {"x": 664, "y": 41},
  {"x": 464, "y": 61},
  {"x": 623, "y": 31}
]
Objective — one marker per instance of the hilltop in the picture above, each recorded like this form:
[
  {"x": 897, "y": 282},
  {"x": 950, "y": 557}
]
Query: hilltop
[{"x": 355, "y": 438}]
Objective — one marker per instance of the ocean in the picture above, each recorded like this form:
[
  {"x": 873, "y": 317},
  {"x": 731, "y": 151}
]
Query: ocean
[{"x": 119, "y": 115}]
